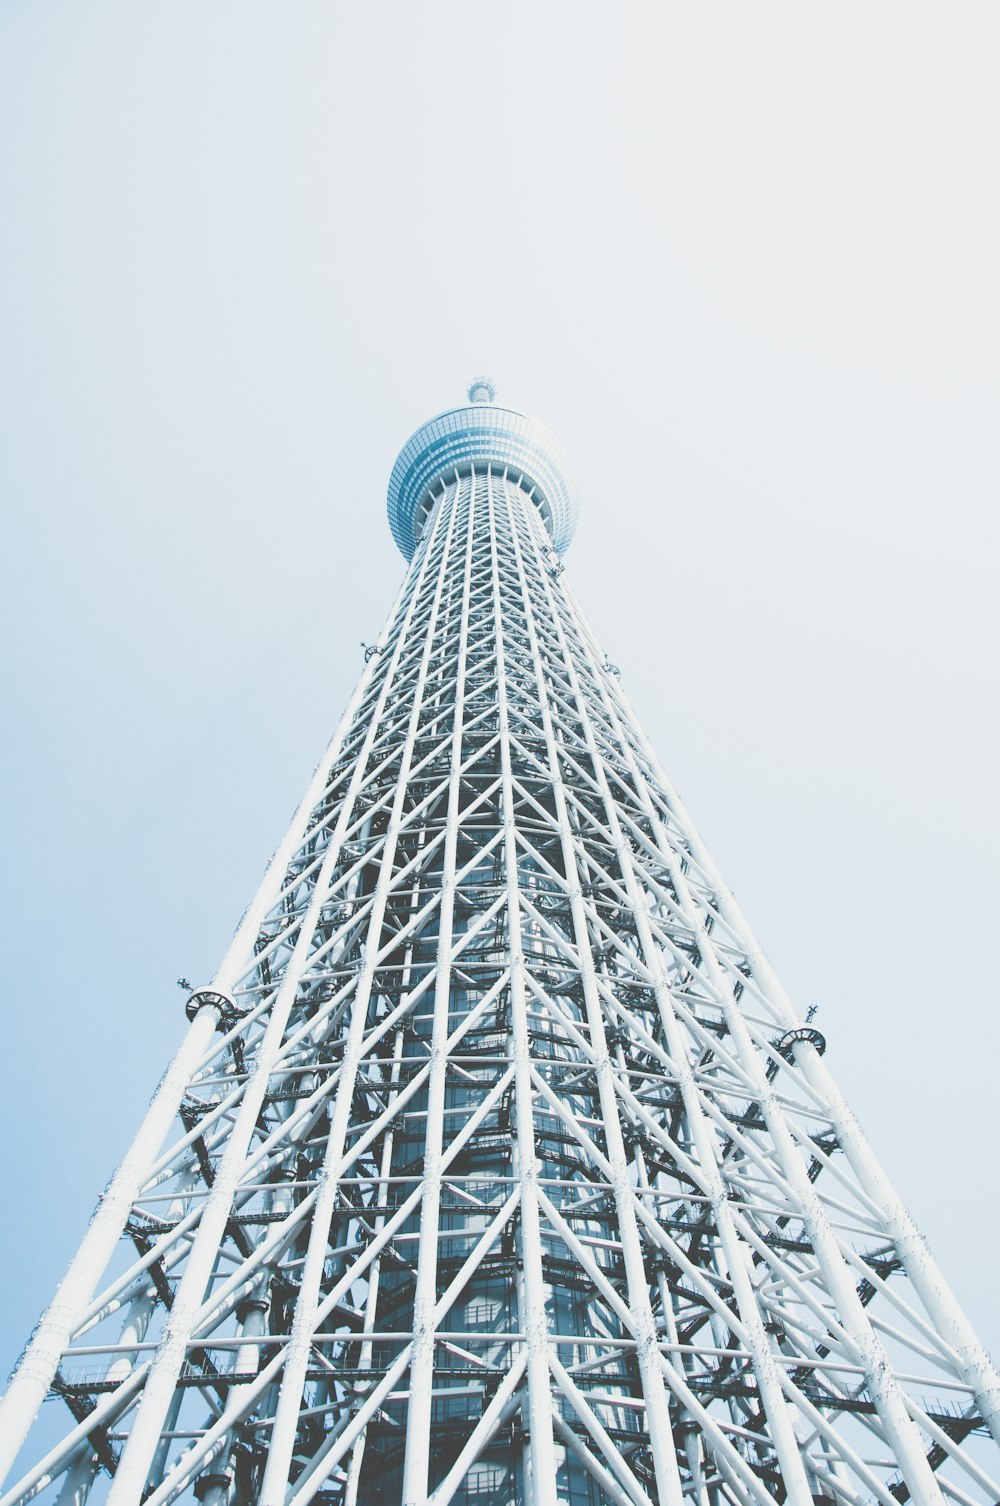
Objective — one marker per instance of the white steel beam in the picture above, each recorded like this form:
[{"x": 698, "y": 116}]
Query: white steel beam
[{"x": 499, "y": 1164}]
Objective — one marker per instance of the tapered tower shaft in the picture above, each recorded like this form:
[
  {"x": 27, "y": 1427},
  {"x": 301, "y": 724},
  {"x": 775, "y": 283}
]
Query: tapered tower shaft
[{"x": 495, "y": 1166}]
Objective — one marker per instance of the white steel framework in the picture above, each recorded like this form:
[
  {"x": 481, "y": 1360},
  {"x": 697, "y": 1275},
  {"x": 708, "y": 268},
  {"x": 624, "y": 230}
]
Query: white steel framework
[{"x": 495, "y": 1165}]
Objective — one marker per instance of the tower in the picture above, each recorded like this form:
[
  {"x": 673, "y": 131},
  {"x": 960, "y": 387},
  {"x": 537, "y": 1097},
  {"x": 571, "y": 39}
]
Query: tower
[{"x": 494, "y": 1165}]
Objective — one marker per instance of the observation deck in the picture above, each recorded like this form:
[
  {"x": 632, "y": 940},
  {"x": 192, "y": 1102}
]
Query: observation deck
[{"x": 460, "y": 439}]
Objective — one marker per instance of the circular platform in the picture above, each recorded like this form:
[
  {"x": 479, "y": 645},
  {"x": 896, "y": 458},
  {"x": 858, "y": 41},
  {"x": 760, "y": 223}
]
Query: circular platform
[{"x": 472, "y": 435}]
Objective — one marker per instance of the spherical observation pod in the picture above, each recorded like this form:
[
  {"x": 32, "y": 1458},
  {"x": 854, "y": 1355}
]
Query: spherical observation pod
[{"x": 481, "y": 432}]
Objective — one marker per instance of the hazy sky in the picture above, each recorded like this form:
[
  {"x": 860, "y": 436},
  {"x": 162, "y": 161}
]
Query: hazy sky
[{"x": 741, "y": 258}]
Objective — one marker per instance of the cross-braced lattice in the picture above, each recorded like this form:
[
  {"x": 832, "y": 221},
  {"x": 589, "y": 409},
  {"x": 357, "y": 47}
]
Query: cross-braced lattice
[{"x": 495, "y": 1165}]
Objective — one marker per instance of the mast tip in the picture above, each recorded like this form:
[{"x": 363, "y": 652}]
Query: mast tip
[{"x": 482, "y": 390}]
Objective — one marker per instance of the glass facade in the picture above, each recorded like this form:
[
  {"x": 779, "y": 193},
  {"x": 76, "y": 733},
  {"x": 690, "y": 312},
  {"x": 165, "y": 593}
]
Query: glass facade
[{"x": 482, "y": 433}]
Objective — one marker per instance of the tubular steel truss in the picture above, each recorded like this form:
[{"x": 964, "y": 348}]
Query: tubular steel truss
[{"x": 495, "y": 1165}]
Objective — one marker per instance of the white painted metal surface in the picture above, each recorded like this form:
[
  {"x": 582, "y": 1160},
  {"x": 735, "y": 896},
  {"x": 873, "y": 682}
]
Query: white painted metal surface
[{"x": 501, "y": 1170}]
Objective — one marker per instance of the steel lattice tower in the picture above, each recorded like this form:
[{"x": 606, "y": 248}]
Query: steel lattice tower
[{"x": 495, "y": 1165}]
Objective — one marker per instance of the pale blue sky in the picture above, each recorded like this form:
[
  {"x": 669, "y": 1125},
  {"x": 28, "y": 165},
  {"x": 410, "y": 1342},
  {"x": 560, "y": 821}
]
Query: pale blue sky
[{"x": 741, "y": 259}]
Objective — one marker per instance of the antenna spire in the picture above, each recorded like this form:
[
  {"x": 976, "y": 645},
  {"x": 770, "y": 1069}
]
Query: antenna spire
[{"x": 482, "y": 390}]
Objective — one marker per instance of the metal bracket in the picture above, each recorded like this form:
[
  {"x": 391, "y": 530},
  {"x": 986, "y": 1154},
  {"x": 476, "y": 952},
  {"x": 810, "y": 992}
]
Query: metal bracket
[
  {"x": 785, "y": 1044},
  {"x": 230, "y": 1013}
]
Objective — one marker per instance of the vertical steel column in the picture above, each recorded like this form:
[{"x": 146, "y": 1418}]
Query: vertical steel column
[
  {"x": 521, "y": 517},
  {"x": 541, "y": 1488},
  {"x": 419, "y": 1412}
]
